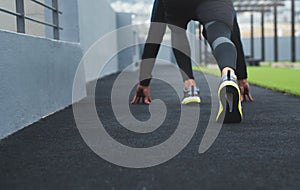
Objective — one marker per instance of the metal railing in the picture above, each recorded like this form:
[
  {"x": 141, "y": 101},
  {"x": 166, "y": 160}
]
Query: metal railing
[{"x": 21, "y": 16}]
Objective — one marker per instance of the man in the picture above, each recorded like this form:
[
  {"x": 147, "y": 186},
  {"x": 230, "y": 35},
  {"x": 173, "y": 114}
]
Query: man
[
  {"x": 155, "y": 37},
  {"x": 151, "y": 50},
  {"x": 156, "y": 33}
]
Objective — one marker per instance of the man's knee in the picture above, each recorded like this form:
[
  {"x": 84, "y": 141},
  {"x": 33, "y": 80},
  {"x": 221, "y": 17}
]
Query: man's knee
[
  {"x": 215, "y": 30},
  {"x": 218, "y": 34},
  {"x": 176, "y": 29}
]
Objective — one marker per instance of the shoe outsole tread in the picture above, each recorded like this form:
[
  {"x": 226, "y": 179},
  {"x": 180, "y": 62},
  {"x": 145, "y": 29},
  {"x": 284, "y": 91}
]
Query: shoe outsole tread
[
  {"x": 224, "y": 115},
  {"x": 192, "y": 99}
]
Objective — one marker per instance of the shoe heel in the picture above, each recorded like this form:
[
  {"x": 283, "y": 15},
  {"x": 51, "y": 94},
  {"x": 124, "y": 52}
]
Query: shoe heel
[
  {"x": 230, "y": 108},
  {"x": 233, "y": 110}
]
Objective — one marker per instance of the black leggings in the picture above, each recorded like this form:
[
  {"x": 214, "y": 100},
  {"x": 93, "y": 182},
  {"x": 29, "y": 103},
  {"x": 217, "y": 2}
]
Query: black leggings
[
  {"x": 241, "y": 68},
  {"x": 217, "y": 34},
  {"x": 182, "y": 52},
  {"x": 156, "y": 33},
  {"x": 224, "y": 50},
  {"x": 151, "y": 49}
]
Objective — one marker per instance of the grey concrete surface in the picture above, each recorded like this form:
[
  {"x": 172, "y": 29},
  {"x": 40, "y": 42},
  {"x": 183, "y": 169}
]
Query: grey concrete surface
[{"x": 36, "y": 78}]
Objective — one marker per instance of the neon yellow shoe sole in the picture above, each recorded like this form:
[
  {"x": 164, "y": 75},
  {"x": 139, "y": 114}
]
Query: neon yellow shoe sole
[
  {"x": 191, "y": 99},
  {"x": 230, "y": 110}
]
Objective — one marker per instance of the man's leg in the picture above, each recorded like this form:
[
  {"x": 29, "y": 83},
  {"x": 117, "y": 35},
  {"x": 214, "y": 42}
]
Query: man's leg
[
  {"x": 182, "y": 52},
  {"x": 241, "y": 67},
  {"x": 218, "y": 36},
  {"x": 178, "y": 14}
]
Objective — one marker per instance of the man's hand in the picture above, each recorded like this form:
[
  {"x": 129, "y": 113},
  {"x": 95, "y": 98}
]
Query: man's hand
[
  {"x": 245, "y": 90},
  {"x": 142, "y": 93}
]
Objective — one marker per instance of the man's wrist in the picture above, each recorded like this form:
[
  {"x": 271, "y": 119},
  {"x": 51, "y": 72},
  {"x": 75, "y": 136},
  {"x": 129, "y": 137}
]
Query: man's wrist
[{"x": 145, "y": 82}]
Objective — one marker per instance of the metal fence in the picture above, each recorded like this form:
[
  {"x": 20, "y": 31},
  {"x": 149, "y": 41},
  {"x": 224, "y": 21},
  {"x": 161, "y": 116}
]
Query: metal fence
[
  {"x": 264, "y": 6},
  {"x": 21, "y": 16}
]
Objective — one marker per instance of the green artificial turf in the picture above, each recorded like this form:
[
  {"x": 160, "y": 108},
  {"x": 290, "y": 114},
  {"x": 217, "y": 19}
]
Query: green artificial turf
[{"x": 280, "y": 79}]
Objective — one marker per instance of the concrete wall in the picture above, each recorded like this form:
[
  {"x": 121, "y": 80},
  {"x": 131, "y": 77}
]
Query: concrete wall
[
  {"x": 130, "y": 55},
  {"x": 69, "y": 21},
  {"x": 284, "y": 48},
  {"x": 96, "y": 20},
  {"x": 36, "y": 78},
  {"x": 124, "y": 58},
  {"x": 36, "y": 74},
  {"x": 87, "y": 22}
]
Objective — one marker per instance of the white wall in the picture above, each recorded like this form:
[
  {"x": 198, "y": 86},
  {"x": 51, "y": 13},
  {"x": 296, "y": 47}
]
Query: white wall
[
  {"x": 36, "y": 74},
  {"x": 36, "y": 78},
  {"x": 96, "y": 19}
]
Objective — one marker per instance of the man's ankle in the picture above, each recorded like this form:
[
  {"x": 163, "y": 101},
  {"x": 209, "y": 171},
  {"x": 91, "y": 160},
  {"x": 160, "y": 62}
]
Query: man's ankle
[
  {"x": 225, "y": 71},
  {"x": 188, "y": 83}
]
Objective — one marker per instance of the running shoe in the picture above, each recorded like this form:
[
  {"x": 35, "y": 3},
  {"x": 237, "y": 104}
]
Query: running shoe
[
  {"x": 230, "y": 109},
  {"x": 191, "y": 95}
]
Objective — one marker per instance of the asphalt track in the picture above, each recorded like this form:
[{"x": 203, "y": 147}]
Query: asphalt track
[{"x": 263, "y": 152}]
